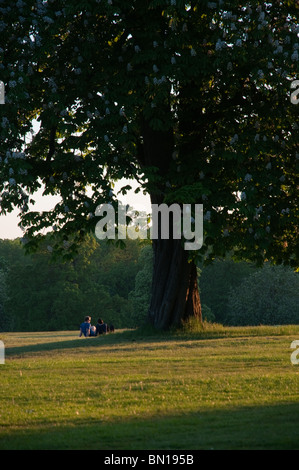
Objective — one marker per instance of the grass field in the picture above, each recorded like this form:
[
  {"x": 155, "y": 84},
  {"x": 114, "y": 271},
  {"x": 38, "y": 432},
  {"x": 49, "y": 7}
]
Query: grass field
[{"x": 212, "y": 388}]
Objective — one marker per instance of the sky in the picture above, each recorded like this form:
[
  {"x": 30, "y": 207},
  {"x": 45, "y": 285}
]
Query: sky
[{"x": 9, "y": 224}]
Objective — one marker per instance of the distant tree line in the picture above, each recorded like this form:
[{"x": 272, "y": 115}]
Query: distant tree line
[
  {"x": 39, "y": 294},
  {"x": 239, "y": 293}
]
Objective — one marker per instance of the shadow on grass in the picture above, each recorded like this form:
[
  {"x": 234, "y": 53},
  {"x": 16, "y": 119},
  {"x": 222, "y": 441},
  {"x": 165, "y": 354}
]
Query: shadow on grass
[
  {"x": 265, "y": 428},
  {"x": 146, "y": 334},
  {"x": 120, "y": 337},
  {"x": 59, "y": 345},
  {"x": 112, "y": 339}
]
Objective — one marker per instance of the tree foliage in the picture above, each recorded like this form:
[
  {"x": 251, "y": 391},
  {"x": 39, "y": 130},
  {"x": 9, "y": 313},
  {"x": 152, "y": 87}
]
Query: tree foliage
[
  {"x": 216, "y": 282},
  {"x": 141, "y": 295},
  {"x": 4, "y": 323},
  {"x": 270, "y": 296},
  {"x": 46, "y": 295}
]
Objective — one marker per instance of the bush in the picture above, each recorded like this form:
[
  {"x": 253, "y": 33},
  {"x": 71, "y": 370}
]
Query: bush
[
  {"x": 4, "y": 321},
  {"x": 216, "y": 280},
  {"x": 141, "y": 295},
  {"x": 270, "y": 296},
  {"x": 207, "y": 314}
]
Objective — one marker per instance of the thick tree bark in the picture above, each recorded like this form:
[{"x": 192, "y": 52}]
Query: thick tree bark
[{"x": 175, "y": 294}]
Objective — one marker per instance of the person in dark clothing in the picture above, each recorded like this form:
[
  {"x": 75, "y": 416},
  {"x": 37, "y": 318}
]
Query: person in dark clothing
[{"x": 101, "y": 327}]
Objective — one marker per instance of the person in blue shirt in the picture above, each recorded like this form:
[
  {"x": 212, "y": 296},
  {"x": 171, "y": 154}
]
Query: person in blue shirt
[{"x": 85, "y": 327}]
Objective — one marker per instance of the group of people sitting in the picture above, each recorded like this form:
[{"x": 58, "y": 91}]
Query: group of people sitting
[{"x": 101, "y": 328}]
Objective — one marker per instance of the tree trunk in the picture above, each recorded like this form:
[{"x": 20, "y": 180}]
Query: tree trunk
[{"x": 175, "y": 294}]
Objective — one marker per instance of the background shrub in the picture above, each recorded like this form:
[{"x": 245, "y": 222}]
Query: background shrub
[{"x": 270, "y": 296}]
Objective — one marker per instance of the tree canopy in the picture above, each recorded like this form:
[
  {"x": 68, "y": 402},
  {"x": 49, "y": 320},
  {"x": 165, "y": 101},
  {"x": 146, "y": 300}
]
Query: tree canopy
[{"x": 103, "y": 78}]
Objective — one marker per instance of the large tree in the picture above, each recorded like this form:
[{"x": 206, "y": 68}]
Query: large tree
[{"x": 190, "y": 98}]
